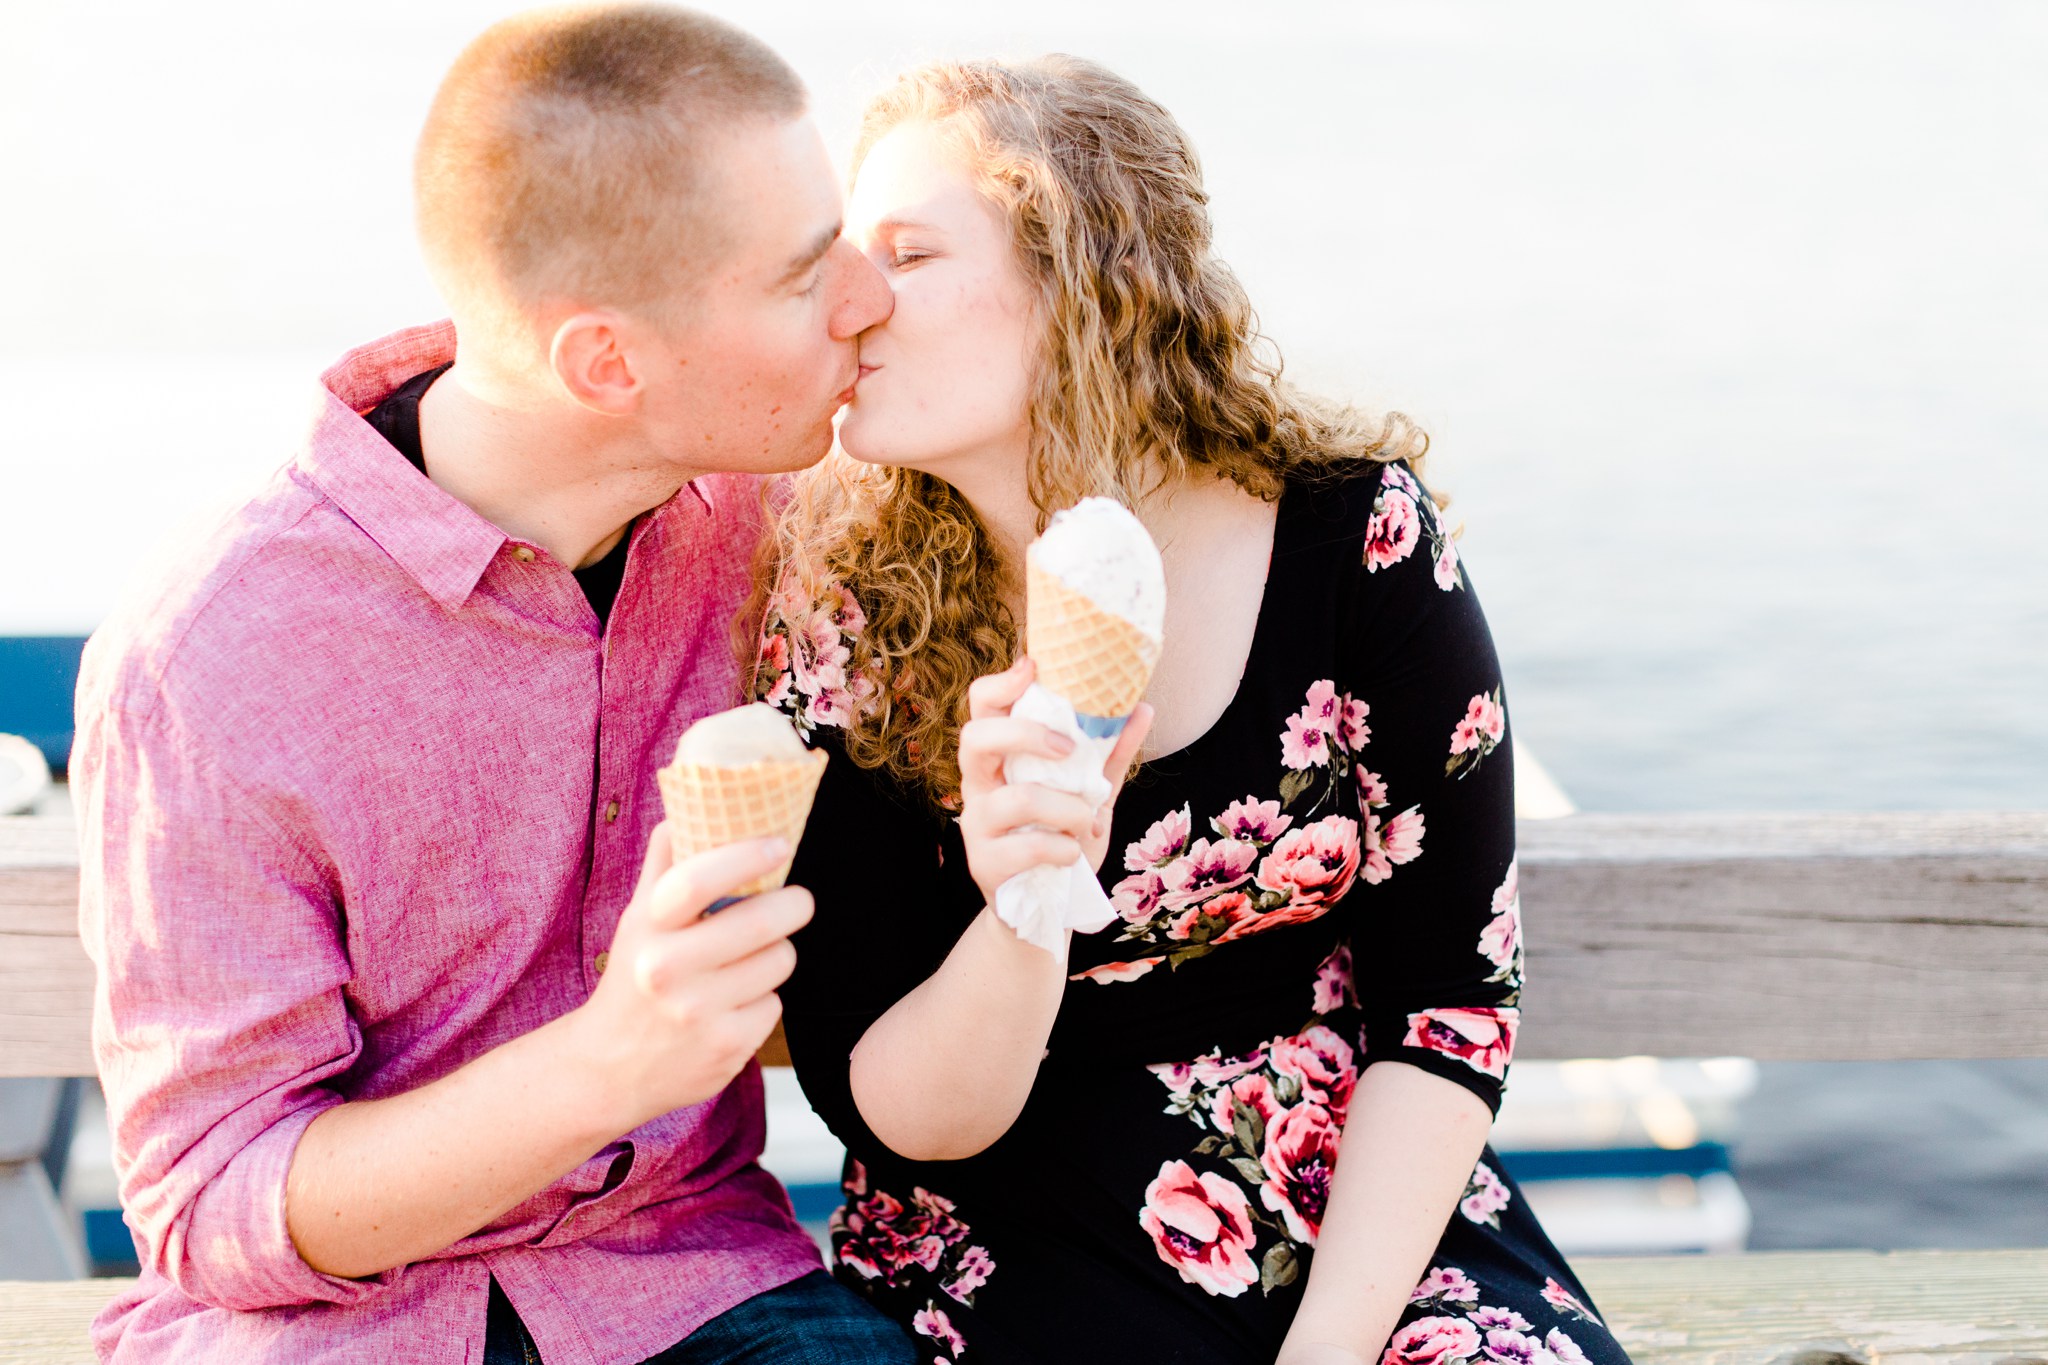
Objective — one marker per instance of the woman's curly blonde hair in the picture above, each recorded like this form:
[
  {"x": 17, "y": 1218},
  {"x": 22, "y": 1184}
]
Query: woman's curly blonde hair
[{"x": 1149, "y": 364}]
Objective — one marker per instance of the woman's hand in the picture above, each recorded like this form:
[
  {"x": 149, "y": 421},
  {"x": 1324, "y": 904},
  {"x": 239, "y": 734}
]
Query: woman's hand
[
  {"x": 1116, "y": 768},
  {"x": 1011, "y": 826}
]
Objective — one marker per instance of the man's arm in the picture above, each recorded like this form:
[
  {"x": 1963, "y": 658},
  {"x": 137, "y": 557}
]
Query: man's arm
[{"x": 683, "y": 1007}]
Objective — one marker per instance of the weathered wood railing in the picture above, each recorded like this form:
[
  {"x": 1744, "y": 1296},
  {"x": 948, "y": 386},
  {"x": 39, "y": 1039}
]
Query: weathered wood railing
[{"x": 1822, "y": 937}]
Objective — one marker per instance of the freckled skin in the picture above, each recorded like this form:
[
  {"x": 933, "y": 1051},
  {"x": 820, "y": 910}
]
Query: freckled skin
[
  {"x": 954, "y": 357},
  {"x": 761, "y": 359}
]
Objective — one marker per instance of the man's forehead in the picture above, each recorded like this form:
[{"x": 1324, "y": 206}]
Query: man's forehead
[{"x": 776, "y": 195}]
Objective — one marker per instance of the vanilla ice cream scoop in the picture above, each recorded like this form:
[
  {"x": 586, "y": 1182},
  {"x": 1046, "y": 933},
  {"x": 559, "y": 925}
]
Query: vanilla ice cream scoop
[
  {"x": 1101, "y": 550},
  {"x": 745, "y": 735},
  {"x": 741, "y": 774}
]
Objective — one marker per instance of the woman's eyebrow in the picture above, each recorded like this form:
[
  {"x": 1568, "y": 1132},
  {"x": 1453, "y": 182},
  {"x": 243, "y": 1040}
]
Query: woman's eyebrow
[{"x": 895, "y": 224}]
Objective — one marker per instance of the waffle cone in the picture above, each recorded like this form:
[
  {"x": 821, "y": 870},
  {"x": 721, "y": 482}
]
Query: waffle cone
[
  {"x": 1095, "y": 659},
  {"x": 709, "y": 807}
]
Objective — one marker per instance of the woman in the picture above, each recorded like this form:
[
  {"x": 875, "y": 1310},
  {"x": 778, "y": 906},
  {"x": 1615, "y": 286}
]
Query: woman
[{"x": 1131, "y": 1152}]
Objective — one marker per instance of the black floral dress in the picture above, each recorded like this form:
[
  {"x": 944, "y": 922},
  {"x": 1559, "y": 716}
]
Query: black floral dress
[{"x": 1323, "y": 880}]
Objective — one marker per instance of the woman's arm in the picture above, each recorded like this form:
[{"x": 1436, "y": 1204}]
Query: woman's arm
[
  {"x": 947, "y": 1069},
  {"x": 1408, "y": 1150}
]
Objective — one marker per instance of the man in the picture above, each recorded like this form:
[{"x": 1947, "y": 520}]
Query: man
[{"x": 415, "y": 1044}]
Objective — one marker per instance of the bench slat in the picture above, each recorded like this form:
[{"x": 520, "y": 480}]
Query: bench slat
[
  {"x": 1823, "y": 937},
  {"x": 1898, "y": 1308}
]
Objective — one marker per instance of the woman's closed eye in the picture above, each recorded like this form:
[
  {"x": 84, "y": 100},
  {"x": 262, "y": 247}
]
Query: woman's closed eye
[{"x": 904, "y": 257}]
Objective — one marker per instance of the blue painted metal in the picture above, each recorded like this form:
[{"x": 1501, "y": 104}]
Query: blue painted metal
[
  {"x": 1620, "y": 1162},
  {"x": 38, "y": 674},
  {"x": 815, "y": 1203}
]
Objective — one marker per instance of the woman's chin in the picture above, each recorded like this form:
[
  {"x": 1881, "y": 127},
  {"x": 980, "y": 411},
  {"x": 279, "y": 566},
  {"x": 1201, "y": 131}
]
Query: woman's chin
[{"x": 857, "y": 438}]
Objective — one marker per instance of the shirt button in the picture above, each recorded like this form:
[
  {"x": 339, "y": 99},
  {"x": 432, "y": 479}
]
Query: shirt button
[
  {"x": 611, "y": 812},
  {"x": 600, "y": 960},
  {"x": 523, "y": 554}
]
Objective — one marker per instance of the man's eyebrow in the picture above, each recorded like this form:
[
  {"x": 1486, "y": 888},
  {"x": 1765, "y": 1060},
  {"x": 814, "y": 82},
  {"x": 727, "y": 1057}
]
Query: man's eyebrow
[{"x": 813, "y": 254}]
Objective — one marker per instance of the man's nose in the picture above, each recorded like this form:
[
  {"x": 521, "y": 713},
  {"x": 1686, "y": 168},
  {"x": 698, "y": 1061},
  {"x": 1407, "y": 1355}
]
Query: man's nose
[{"x": 865, "y": 298}]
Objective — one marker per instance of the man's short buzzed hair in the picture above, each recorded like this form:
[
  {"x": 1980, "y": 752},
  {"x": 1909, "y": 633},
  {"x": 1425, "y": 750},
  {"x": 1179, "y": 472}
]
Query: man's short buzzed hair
[{"x": 564, "y": 157}]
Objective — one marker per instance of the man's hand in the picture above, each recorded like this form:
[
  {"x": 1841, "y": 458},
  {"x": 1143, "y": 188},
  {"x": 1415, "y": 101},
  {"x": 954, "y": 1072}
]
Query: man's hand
[{"x": 686, "y": 1000}]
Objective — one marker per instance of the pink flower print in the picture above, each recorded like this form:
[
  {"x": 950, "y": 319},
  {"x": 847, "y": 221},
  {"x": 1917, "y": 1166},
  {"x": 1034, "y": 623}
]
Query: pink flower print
[
  {"x": 831, "y": 706},
  {"x": 1391, "y": 531},
  {"x": 1446, "y": 563},
  {"x": 856, "y": 1182},
  {"x": 845, "y": 613},
  {"x": 1177, "y": 1077},
  {"x": 1322, "y": 1064},
  {"x": 1433, "y": 1341},
  {"x": 975, "y": 1266},
  {"x": 1486, "y": 1319},
  {"x": 1485, "y": 1196},
  {"x": 1110, "y": 972},
  {"x": 1252, "y": 821},
  {"x": 1482, "y": 1038},
  {"x": 1566, "y": 1302},
  {"x": 1484, "y": 724},
  {"x": 1137, "y": 896},
  {"x": 1510, "y": 1347},
  {"x": 1389, "y": 844},
  {"x": 1397, "y": 475},
  {"x": 1507, "y": 897},
  {"x": 1564, "y": 1348},
  {"x": 1253, "y": 1094},
  {"x": 1310, "y": 734},
  {"x": 1334, "y": 987},
  {"x": 1216, "y": 1069},
  {"x": 1216, "y": 920},
  {"x": 779, "y": 693},
  {"x": 1445, "y": 1284},
  {"x": 1201, "y": 1225},
  {"x": 1300, "y": 1159},
  {"x": 1313, "y": 865},
  {"x": 1351, "y": 726},
  {"x": 1165, "y": 841},
  {"x": 932, "y": 1322},
  {"x": 1207, "y": 868},
  {"x": 1500, "y": 942},
  {"x": 772, "y": 661},
  {"x": 1372, "y": 788}
]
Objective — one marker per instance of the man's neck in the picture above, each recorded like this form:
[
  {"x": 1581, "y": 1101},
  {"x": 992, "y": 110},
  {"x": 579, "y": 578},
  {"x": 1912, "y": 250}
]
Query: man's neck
[{"x": 564, "y": 480}]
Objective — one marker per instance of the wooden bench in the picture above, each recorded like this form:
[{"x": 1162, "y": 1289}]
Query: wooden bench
[{"x": 1815, "y": 937}]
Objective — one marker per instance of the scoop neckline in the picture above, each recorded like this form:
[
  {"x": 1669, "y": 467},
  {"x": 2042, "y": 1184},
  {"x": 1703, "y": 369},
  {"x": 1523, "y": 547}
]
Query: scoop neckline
[{"x": 1261, "y": 627}]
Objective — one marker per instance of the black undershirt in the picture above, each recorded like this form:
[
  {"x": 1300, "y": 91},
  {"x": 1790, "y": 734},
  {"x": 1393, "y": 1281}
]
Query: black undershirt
[{"x": 397, "y": 420}]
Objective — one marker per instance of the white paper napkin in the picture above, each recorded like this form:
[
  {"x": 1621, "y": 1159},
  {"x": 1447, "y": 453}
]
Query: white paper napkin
[{"x": 1041, "y": 903}]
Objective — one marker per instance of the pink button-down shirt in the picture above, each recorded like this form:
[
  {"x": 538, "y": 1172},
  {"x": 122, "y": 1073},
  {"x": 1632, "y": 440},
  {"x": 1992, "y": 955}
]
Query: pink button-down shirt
[{"x": 346, "y": 774}]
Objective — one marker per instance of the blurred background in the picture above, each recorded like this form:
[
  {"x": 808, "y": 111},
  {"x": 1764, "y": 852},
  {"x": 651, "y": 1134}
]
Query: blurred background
[{"x": 1729, "y": 322}]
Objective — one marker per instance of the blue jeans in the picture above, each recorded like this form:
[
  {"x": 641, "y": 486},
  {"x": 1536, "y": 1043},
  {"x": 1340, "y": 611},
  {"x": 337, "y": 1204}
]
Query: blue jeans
[{"x": 811, "y": 1321}]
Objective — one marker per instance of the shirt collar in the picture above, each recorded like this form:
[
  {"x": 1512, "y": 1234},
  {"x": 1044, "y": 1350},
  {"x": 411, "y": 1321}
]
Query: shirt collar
[{"x": 430, "y": 534}]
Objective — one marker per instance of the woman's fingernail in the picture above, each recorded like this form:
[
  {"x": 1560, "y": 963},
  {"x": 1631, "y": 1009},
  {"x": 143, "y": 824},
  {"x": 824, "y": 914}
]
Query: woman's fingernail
[
  {"x": 1062, "y": 746},
  {"x": 775, "y": 846}
]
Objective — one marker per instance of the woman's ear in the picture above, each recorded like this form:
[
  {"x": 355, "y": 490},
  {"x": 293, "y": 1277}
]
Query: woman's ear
[{"x": 591, "y": 357}]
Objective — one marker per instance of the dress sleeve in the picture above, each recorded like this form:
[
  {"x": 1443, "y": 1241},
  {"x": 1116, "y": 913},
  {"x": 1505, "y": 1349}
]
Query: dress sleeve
[
  {"x": 1436, "y": 933},
  {"x": 875, "y": 866}
]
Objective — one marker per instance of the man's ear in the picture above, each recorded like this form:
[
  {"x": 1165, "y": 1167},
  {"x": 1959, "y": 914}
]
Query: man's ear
[{"x": 593, "y": 358}]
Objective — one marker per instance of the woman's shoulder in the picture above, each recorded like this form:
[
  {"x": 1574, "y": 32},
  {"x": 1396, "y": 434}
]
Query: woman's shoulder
[
  {"x": 1381, "y": 520},
  {"x": 804, "y": 659}
]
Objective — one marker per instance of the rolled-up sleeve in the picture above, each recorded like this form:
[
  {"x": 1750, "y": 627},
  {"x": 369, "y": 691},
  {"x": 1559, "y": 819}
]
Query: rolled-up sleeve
[{"x": 218, "y": 1019}]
